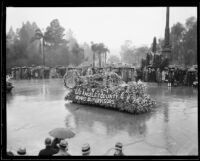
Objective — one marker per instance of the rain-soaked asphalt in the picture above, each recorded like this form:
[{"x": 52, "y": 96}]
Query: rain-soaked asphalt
[{"x": 37, "y": 106}]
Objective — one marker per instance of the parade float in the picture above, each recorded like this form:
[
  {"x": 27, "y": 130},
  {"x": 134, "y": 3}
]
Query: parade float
[{"x": 109, "y": 91}]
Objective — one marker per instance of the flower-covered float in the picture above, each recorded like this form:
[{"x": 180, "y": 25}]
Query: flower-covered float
[{"x": 109, "y": 91}]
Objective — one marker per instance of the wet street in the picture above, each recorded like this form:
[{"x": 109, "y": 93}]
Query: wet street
[{"x": 37, "y": 106}]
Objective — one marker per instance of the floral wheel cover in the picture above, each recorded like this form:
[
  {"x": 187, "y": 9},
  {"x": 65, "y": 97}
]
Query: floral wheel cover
[{"x": 70, "y": 78}]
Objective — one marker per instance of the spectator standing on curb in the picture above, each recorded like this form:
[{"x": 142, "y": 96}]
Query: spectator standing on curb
[
  {"x": 21, "y": 151},
  {"x": 86, "y": 149},
  {"x": 118, "y": 149},
  {"x": 63, "y": 148},
  {"x": 48, "y": 151}
]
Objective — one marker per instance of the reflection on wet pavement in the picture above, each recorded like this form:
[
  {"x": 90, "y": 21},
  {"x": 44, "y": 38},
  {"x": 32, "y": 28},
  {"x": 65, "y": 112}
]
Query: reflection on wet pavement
[{"x": 37, "y": 106}]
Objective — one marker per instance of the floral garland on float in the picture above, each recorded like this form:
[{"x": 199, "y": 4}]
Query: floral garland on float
[{"x": 109, "y": 91}]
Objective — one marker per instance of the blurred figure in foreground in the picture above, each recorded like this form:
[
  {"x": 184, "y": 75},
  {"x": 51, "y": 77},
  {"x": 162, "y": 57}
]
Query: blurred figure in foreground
[
  {"x": 86, "y": 149},
  {"x": 55, "y": 143},
  {"x": 118, "y": 149},
  {"x": 63, "y": 148},
  {"x": 21, "y": 151},
  {"x": 9, "y": 153},
  {"x": 48, "y": 151}
]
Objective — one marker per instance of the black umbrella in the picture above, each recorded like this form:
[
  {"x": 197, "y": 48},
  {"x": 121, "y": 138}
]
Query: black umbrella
[{"x": 62, "y": 133}]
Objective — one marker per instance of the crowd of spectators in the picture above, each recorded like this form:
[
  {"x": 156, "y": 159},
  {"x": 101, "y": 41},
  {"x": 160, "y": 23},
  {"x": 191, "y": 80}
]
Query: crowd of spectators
[
  {"x": 59, "y": 147},
  {"x": 37, "y": 72},
  {"x": 172, "y": 76}
]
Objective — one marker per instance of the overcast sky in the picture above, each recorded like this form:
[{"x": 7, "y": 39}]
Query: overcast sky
[{"x": 110, "y": 25}]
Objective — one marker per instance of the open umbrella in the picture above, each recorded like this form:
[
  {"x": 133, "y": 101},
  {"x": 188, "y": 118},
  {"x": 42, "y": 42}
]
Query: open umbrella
[{"x": 62, "y": 133}]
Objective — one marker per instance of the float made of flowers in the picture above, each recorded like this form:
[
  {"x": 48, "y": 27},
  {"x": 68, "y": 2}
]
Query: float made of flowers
[{"x": 109, "y": 91}]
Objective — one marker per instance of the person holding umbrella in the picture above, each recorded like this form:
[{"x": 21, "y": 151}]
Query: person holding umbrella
[
  {"x": 48, "y": 151},
  {"x": 55, "y": 143},
  {"x": 60, "y": 134},
  {"x": 63, "y": 148}
]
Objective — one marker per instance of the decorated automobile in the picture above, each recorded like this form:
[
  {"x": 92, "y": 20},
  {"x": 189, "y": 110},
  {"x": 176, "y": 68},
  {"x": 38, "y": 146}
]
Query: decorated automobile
[{"x": 109, "y": 91}]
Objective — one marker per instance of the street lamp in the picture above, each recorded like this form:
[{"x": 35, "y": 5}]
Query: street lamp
[{"x": 39, "y": 35}]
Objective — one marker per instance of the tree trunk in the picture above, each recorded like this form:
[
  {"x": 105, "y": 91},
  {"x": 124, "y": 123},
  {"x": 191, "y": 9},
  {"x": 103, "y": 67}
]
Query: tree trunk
[
  {"x": 43, "y": 57},
  {"x": 43, "y": 54}
]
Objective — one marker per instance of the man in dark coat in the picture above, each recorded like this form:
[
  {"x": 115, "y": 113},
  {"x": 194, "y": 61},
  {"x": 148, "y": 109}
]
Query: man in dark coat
[
  {"x": 48, "y": 151},
  {"x": 55, "y": 143}
]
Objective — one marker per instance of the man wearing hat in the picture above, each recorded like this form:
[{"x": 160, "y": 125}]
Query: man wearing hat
[
  {"x": 62, "y": 149},
  {"x": 118, "y": 149},
  {"x": 86, "y": 149},
  {"x": 48, "y": 151},
  {"x": 21, "y": 151}
]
